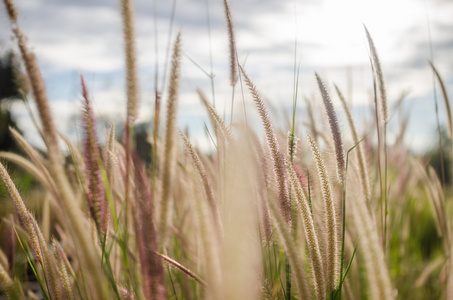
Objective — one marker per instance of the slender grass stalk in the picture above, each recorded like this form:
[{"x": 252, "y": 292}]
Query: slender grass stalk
[
  {"x": 343, "y": 235},
  {"x": 446, "y": 101},
  {"x": 436, "y": 106},
  {"x": 333, "y": 253},
  {"x": 157, "y": 91},
  {"x": 169, "y": 142},
  {"x": 382, "y": 112}
]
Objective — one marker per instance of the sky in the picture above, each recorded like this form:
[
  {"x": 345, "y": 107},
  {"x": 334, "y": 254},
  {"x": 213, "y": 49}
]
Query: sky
[{"x": 325, "y": 36}]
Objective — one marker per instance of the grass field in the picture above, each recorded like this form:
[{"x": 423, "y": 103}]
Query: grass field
[{"x": 267, "y": 214}]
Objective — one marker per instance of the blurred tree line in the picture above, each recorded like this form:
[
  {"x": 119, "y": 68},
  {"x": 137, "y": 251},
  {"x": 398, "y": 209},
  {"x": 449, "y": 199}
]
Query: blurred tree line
[
  {"x": 13, "y": 85},
  {"x": 437, "y": 154}
]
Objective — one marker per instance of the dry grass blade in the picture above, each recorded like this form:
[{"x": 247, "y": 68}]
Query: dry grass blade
[
  {"x": 169, "y": 142},
  {"x": 34, "y": 155},
  {"x": 174, "y": 263},
  {"x": 276, "y": 154}
]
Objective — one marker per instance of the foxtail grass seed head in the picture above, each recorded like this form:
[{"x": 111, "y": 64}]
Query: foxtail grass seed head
[
  {"x": 232, "y": 44},
  {"x": 334, "y": 128},
  {"x": 330, "y": 222},
  {"x": 169, "y": 142},
  {"x": 5, "y": 280},
  {"x": 39, "y": 94},
  {"x": 96, "y": 191},
  {"x": 212, "y": 202},
  {"x": 316, "y": 261},
  {"x": 22, "y": 211},
  {"x": 379, "y": 78},
  {"x": 11, "y": 10},
  {"x": 274, "y": 148},
  {"x": 131, "y": 65},
  {"x": 146, "y": 236}
]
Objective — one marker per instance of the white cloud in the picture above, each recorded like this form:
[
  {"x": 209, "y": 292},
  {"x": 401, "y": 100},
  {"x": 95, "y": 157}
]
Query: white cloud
[{"x": 85, "y": 36}]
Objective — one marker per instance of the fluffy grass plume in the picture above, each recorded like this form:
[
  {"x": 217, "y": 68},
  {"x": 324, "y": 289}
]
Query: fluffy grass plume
[
  {"x": 274, "y": 148},
  {"x": 96, "y": 191},
  {"x": 334, "y": 128},
  {"x": 231, "y": 44},
  {"x": 37, "y": 85},
  {"x": 127, "y": 10},
  {"x": 308, "y": 225},
  {"x": 377, "y": 69},
  {"x": 330, "y": 221},
  {"x": 209, "y": 193},
  {"x": 146, "y": 237}
]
